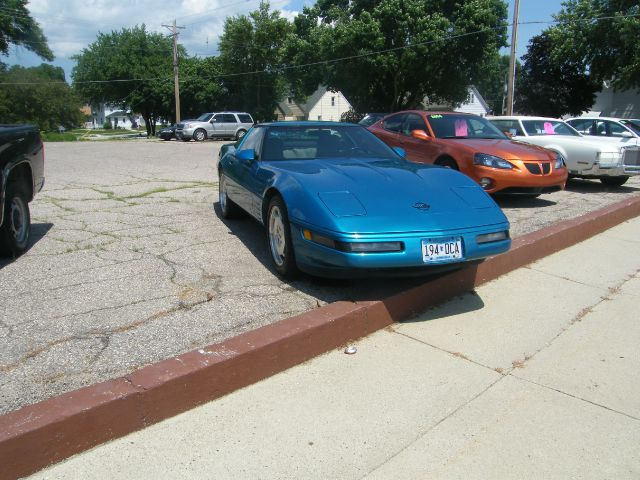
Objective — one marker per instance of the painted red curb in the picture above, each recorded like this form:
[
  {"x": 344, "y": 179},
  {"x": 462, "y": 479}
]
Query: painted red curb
[{"x": 47, "y": 432}]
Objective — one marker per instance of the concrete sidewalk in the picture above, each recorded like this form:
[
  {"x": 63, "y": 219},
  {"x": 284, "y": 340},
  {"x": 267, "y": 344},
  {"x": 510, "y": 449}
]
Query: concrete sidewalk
[{"x": 534, "y": 375}]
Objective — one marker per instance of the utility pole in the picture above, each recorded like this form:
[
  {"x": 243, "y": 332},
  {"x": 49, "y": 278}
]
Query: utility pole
[
  {"x": 176, "y": 82},
  {"x": 512, "y": 60}
]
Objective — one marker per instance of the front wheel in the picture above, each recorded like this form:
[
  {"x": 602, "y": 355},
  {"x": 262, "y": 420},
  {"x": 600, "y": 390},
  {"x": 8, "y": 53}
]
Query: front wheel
[
  {"x": 448, "y": 163},
  {"x": 16, "y": 226},
  {"x": 240, "y": 134},
  {"x": 199, "y": 135},
  {"x": 279, "y": 237},
  {"x": 228, "y": 207},
  {"x": 614, "y": 181}
]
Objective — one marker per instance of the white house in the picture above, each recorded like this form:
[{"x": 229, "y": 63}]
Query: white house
[
  {"x": 620, "y": 104},
  {"x": 322, "y": 105},
  {"x": 118, "y": 118},
  {"x": 473, "y": 104}
]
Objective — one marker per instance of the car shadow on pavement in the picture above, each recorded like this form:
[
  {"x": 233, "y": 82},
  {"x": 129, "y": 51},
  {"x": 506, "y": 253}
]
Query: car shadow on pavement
[
  {"x": 522, "y": 201},
  {"x": 38, "y": 231},
  {"x": 328, "y": 290},
  {"x": 466, "y": 303},
  {"x": 587, "y": 186}
]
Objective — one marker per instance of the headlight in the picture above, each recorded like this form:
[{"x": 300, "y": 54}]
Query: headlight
[
  {"x": 491, "y": 161},
  {"x": 353, "y": 247},
  {"x": 492, "y": 237},
  {"x": 560, "y": 161},
  {"x": 609, "y": 158}
]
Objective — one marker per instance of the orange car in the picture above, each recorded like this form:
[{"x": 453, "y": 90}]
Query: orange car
[{"x": 474, "y": 146}]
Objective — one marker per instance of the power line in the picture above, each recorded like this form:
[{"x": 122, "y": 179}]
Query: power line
[{"x": 277, "y": 68}]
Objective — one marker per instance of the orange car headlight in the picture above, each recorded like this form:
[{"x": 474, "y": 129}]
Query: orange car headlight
[{"x": 491, "y": 161}]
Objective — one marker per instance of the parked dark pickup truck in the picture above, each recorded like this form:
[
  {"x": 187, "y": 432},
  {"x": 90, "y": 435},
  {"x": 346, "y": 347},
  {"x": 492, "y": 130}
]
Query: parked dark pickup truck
[{"x": 21, "y": 177}]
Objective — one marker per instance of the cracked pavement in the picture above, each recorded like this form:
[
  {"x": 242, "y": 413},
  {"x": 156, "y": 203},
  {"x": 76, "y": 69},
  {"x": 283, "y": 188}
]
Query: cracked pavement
[{"x": 130, "y": 264}]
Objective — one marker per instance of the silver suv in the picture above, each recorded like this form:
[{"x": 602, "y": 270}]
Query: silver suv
[{"x": 215, "y": 125}]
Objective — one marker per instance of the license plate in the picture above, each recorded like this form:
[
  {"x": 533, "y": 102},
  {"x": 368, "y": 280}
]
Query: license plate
[{"x": 435, "y": 250}]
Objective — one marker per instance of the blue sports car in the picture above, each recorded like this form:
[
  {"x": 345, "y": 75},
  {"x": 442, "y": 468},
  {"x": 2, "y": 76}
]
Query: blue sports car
[{"x": 337, "y": 202}]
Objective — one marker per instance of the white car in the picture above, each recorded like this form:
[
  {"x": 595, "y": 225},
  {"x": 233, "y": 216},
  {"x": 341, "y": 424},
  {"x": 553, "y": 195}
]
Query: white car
[
  {"x": 586, "y": 157},
  {"x": 618, "y": 130}
]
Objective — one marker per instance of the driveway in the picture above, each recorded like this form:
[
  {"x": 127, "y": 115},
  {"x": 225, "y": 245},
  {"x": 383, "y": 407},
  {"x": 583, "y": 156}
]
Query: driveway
[{"x": 131, "y": 263}]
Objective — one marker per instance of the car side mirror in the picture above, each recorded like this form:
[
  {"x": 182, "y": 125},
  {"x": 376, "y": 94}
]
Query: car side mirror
[
  {"x": 508, "y": 134},
  {"x": 421, "y": 135},
  {"x": 626, "y": 135},
  {"x": 400, "y": 151},
  {"x": 248, "y": 155}
]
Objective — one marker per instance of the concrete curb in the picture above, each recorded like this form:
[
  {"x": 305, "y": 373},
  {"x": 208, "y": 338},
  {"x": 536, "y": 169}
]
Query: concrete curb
[{"x": 47, "y": 432}]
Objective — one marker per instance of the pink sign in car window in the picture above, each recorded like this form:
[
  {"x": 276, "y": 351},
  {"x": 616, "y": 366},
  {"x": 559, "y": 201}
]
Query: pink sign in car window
[
  {"x": 461, "y": 128},
  {"x": 548, "y": 128}
]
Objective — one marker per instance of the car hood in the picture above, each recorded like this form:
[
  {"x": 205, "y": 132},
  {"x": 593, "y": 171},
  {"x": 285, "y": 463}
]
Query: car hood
[
  {"x": 387, "y": 195},
  {"x": 564, "y": 140},
  {"x": 507, "y": 149}
]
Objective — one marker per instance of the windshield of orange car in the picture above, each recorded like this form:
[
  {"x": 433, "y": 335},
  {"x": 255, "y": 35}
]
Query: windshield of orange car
[
  {"x": 309, "y": 142},
  {"x": 548, "y": 127},
  {"x": 463, "y": 126}
]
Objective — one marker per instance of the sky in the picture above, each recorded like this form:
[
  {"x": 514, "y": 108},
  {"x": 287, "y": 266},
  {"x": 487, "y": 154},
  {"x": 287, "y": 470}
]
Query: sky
[{"x": 71, "y": 25}]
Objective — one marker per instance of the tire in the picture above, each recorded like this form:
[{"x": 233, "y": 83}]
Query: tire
[
  {"x": 228, "y": 207},
  {"x": 240, "y": 134},
  {"x": 448, "y": 163},
  {"x": 15, "y": 231},
  {"x": 200, "y": 135},
  {"x": 279, "y": 238},
  {"x": 614, "y": 181},
  {"x": 185, "y": 139}
]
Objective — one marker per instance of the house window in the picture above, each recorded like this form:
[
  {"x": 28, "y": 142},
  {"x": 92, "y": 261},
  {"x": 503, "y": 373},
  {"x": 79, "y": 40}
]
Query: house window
[
  {"x": 319, "y": 117},
  {"x": 333, "y": 101},
  {"x": 289, "y": 100}
]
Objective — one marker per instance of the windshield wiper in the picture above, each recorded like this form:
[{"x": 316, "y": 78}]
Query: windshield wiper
[{"x": 455, "y": 136}]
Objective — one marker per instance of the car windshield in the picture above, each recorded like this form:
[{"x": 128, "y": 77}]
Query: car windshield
[
  {"x": 548, "y": 127},
  {"x": 463, "y": 126},
  {"x": 302, "y": 142},
  {"x": 205, "y": 117},
  {"x": 632, "y": 124}
]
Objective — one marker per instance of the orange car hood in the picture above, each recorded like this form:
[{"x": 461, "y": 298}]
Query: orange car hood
[{"x": 507, "y": 149}]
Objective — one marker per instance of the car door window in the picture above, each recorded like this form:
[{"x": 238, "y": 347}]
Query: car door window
[
  {"x": 218, "y": 119},
  {"x": 413, "y": 122},
  {"x": 511, "y": 126},
  {"x": 229, "y": 118},
  {"x": 394, "y": 123},
  {"x": 245, "y": 118},
  {"x": 583, "y": 126},
  {"x": 252, "y": 140},
  {"x": 616, "y": 130}
]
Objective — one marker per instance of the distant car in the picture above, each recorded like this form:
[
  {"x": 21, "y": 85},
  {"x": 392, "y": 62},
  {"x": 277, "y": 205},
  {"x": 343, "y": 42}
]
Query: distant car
[
  {"x": 618, "y": 130},
  {"x": 167, "y": 133},
  {"x": 215, "y": 125},
  {"x": 338, "y": 202},
  {"x": 586, "y": 157},
  {"x": 371, "y": 118},
  {"x": 474, "y": 146}
]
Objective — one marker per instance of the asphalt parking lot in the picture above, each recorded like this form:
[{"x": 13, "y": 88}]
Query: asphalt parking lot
[{"x": 131, "y": 263}]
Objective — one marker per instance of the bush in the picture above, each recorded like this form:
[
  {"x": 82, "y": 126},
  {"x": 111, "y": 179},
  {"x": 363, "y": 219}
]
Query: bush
[
  {"x": 107, "y": 125},
  {"x": 351, "y": 116}
]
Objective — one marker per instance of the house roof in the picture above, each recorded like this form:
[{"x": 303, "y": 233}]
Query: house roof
[
  {"x": 118, "y": 113},
  {"x": 313, "y": 99},
  {"x": 480, "y": 99}
]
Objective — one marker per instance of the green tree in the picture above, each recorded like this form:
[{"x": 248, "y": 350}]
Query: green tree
[
  {"x": 601, "y": 37},
  {"x": 396, "y": 51},
  {"x": 552, "y": 87},
  {"x": 38, "y": 95},
  {"x": 492, "y": 81},
  {"x": 132, "y": 69},
  {"x": 201, "y": 88},
  {"x": 17, "y": 27},
  {"x": 251, "y": 54}
]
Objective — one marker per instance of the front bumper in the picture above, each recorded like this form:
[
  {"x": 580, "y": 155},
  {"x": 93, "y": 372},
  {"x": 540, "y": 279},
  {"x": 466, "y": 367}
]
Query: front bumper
[
  {"x": 185, "y": 133},
  {"x": 519, "y": 179},
  {"x": 328, "y": 262}
]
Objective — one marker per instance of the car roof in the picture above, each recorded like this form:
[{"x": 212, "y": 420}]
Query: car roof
[
  {"x": 308, "y": 123},
  {"x": 598, "y": 118},
  {"x": 523, "y": 117}
]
